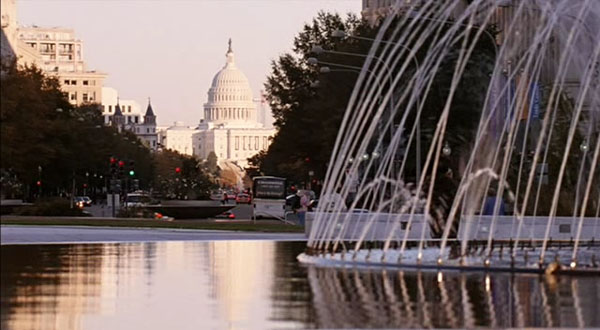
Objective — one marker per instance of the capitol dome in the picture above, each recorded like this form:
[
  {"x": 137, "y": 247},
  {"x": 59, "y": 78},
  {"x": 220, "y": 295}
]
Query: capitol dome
[{"x": 230, "y": 96}]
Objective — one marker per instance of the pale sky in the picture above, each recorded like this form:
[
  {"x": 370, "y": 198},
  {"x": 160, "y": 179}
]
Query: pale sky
[{"x": 170, "y": 50}]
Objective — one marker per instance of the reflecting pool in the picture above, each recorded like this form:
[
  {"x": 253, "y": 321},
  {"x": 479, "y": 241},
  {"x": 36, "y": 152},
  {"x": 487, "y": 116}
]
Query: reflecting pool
[{"x": 260, "y": 285}]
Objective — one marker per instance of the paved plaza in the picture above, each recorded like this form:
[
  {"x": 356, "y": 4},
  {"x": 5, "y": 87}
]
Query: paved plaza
[{"x": 65, "y": 234}]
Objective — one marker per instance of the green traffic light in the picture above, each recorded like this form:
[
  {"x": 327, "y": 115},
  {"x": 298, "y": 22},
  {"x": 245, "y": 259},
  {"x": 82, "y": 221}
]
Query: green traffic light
[{"x": 131, "y": 173}]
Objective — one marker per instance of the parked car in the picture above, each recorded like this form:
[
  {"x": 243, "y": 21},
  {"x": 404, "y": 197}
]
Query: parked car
[
  {"x": 231, "y": 195},
  {"x": 243, "y": 198},
  {"x": 217, "y": 195}
]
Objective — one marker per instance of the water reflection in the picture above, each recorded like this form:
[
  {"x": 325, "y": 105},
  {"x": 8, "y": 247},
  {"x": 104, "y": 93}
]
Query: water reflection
[
  {"x": 249, "y": 284},
  {"x": 351, "y": 298}
]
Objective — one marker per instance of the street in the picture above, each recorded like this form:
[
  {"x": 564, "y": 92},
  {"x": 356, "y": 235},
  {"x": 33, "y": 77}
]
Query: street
[{"x": 241, "y": 211}]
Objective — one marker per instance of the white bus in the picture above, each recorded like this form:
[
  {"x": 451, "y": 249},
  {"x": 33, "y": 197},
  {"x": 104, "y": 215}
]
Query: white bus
[{"x": 268, "y": 197}]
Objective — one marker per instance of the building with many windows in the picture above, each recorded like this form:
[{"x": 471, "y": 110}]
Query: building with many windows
[
  {"x": 230, "y": 128},
  {"x": 55, "y": 50},
  {"x": 119, "y": 115},
  {"x": 130, "y": 109},
  {"x": 61, "y": 55}
]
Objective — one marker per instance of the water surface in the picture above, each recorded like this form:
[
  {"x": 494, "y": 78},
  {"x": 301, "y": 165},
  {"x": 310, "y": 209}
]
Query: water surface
[{"x": 260, "y": 285}]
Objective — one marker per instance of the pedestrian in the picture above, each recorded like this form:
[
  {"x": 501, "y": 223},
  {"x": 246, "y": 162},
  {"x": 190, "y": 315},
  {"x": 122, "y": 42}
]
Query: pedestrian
[
  {"x": 352, "y": 183},
  {"x": 490, "y": 204},
  {"x": 304, "y": 203}
]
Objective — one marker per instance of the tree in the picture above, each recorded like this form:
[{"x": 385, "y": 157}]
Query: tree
[
  {"x": 181, "y": 177},
  {"x": 308, "y": 119},
  {"x": 211, "y": 164},
  {"x": 46, "y": 139}
]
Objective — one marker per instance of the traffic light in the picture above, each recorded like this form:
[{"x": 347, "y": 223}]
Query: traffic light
[
  {"x": 121, "y": 168},
  {"x": 178, "y": 170},
  {"x": 113, "y": 166},
  {"x": 39, "y": 183},
  {"x": 131, "y": 168}
]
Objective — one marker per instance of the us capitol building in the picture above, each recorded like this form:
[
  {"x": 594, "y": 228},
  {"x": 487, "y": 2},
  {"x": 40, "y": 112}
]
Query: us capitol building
[{"x": 230, "y": 127}]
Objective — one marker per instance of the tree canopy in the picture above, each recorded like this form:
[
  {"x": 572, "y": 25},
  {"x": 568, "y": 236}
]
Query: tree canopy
[{"x": 52, "y": 147}]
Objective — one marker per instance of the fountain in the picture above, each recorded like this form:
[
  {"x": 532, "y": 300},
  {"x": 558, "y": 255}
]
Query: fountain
[{"x": 504, "y": 99}]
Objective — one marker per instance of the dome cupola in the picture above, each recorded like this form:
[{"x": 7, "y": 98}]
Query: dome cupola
[{"x": 230, "y": 96}]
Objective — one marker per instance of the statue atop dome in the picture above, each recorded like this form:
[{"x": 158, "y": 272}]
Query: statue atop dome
[{"x": 230, "y": 57}]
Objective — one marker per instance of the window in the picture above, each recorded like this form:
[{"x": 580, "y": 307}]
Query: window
[
  {"x": 73, "y": 82},
  {"x": 85, "y": 97},
  {"x": 147, "y": 130},
  {"x": 85, "y": 83},
  {"x": 244, "y": 143},
  {"x": 135, "y": 119},
  {"x": 249, "y": 143},
  {"x": 256, "y": 143},
  {"x": 264, "y": 142},
  {"x": 154, "y": 143},
  {"x": 67, "y": 82},
  {"x": 110, "y": 108},
  {"x": 74, "y": 96},
  {"x": 237, "y": 143},
  {"x": 128, "y": 108}
]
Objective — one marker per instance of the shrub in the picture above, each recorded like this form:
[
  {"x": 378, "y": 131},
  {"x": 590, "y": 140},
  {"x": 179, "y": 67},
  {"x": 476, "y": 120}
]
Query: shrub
[
  {"x": 51, "y": 207},
  {"x": 135, "y": 212}
]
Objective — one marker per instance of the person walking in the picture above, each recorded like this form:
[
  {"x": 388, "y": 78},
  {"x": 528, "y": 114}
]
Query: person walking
[{"x": 304, "y": 203}]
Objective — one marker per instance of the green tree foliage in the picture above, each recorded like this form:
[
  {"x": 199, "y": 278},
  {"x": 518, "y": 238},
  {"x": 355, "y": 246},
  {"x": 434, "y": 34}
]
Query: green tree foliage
[
  {"x": 308, "y": 118},
  {"x": 191, "y": 181},
  {"x": 45, "y": 138},
  {"x": 211, "y": 164},
  {"x": 572, "y": 181}
]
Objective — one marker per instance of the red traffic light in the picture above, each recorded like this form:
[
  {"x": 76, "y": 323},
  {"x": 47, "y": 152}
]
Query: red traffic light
[
  {"x": 113, "y": 160},
  {"x": 307, "y": 159},
  {"x": 85, "y": 185},
  {"x": 177, "y": 170},
  {"x": 39, "y": 183},
  {"x": 121, "y": 163}
]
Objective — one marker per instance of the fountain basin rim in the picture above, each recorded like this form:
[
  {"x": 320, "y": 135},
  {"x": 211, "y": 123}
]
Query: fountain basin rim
[{"x": 324, "y": 262}]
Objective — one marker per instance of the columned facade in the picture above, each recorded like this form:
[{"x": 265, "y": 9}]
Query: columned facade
[{"x": 230, "y": 128}]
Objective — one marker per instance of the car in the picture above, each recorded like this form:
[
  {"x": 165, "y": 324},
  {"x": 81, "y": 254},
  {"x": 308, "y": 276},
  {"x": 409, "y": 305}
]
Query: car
[
  {"x": 294, "y": 199},
  {"x": 243, "y": 198},
  {"x": 79, "y": 202},
  {"x": 231, "y": 195},
  {"x": 217, "y": 195},
  {"x": 87, "y": 201},
  {"x": 137, "y": 200},
  {"x": 226, "y": 215}
]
